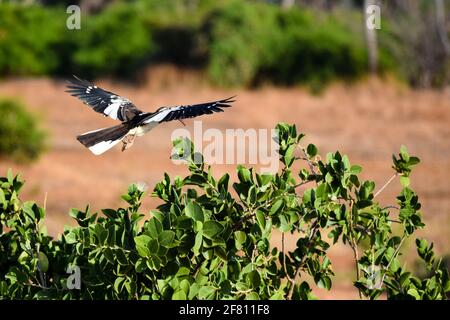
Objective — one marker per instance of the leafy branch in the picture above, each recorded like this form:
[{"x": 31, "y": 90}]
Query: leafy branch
[{"x": 210, "y": 238}]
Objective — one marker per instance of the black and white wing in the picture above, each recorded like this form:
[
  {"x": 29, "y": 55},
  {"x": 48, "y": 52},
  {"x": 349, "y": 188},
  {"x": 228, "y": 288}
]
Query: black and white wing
[
  {"x": 107, "y": 103},
  {"x": 189, "y": 111}
]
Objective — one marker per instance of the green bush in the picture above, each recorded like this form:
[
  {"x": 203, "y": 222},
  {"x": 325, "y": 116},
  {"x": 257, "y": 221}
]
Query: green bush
[
  {"x": 203, "y": 242},
  {"x": 241, "y": 38},
  {"x": 20, "y": 137},
  {"x": 115, "y": 41},
  {"x": 257, "y": 42},
  {"x": 27, "y": 39},
  {"x": 317, "y": 51}
]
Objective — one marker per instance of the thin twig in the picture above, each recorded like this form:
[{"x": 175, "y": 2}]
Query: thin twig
[
  {"x": 386, "y": 184},
  {"x": 42, "y": 283},
  {"x": 45, "y": 201},
  {"x": 393, "y": 256},
  {"x": 314, "y": 228},
  {"x": 356, "y": 257},
  {"x": 242, "y": 292},
  {"x": 390, "y": 207},
  {"x": 253, "y": 256},
  {"x": 284, "y": 257},
  {"x": 310, "y": 164},
  {"x": 354, "y": 245},
  {"x": 301, "y": 184}
]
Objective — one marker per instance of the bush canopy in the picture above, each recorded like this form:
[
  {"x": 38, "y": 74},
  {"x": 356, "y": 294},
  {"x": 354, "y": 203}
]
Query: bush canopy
[
  {"x": 206, "y": 241},
  {"x": 20, "y": 137}
]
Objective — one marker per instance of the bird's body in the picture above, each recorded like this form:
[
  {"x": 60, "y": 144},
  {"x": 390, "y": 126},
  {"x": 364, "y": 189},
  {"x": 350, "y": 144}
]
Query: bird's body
[{"x": 135, "y": 123}]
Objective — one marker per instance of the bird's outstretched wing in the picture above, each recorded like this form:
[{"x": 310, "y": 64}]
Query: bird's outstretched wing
[
  {"x": 105, "y": 102},
  {"x": 189, "y": 111}
]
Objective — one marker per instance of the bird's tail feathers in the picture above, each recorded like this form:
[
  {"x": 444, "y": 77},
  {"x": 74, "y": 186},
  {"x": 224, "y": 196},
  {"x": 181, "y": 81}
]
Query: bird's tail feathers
[{"x": 101, "y": 140}]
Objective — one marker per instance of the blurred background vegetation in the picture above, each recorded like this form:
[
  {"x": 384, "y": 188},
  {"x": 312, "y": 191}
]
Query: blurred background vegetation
[
  {"x": 21, "y": 138},
  {"x": 235, "y": 42}
]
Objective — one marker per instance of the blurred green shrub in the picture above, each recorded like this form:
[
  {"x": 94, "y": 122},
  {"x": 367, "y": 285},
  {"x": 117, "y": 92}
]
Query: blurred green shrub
[
  {"x": 317, "y": 51},
  {"x": 20, "y": 137},
  {"x": 241, "y": 40},
  {"x": 115, "y": 41},
  {"x": 238, "y": 43},
  {"x": 27, "y": 37},
  {"x": 250, "y": 43}
]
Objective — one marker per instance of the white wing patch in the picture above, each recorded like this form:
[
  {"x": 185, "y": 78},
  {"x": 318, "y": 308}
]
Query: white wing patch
[
  {"x": 159, "y": 116},
  {"x": 102, "y": 101},
  {"x": 113, "y": 109},
  {"x": 103, "y": 146},
  {"x": 93, "y": 131}
]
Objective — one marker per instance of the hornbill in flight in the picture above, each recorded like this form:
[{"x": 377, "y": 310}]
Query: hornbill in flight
[{"x": 134, "y": 121}]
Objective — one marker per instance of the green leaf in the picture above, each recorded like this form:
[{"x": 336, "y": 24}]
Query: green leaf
[
  {"x": 166, "y": 238},
  {"x": 193, "y": 291},
  {"x": 223, "y": 182},
  {"x": 277, "y": 296},
  {"x": 131, "y": 287},
  {"x": 142, "y": 245},
  {"x": 251, "y": 197},
  {"x": 71, "y": 237},
  {"x": 121, "y": 257},
  {"x": 276, "y": 207},
  {"x": 211, "y": 229},
  {"x": 184, "y": 284},
  {"x": 184, "y": 222},
  {"x": 355, "y": 169},
  {"x": 413, "y": 292},
  {"x": 324, "y": 282},
  {"x": 198, "y": 243},
  {"x": 404, "y": 153},
  {"x": 240, "y": 237},
  {"x": 10, "y": 176},
  {"x": 413, "y": 161},
  {"x": 261, "y": 219},
  {"x": 154, "y": 227},
  {"x": 140, "y": 266},
  {"x": 264, "y": 179},
  {"x": 311, "y": 150},
  {"x": 328, "y": 178},
  {"x": 179, "y": 295},
  {"x": 183, "y": 272},
  {"x": 118, "y": 284},
  {"x": 194, "y": 211},
  {"x": 253, "y": 279},
  {"x": 289, "y": 155},
  {"x": 101, "y": 233},
  {"x": 252, "y": 296},
  {"x": 2, "y": 197},
  {"x": 285, "y": 226},
  {"x": 207, "y": 293},
  {"x": 244, "y": 174}
]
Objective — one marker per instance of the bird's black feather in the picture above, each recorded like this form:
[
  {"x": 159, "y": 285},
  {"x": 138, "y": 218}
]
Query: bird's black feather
[
  {"x": 103, "y": 101},
  {"x": 191, "y": 111}
]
